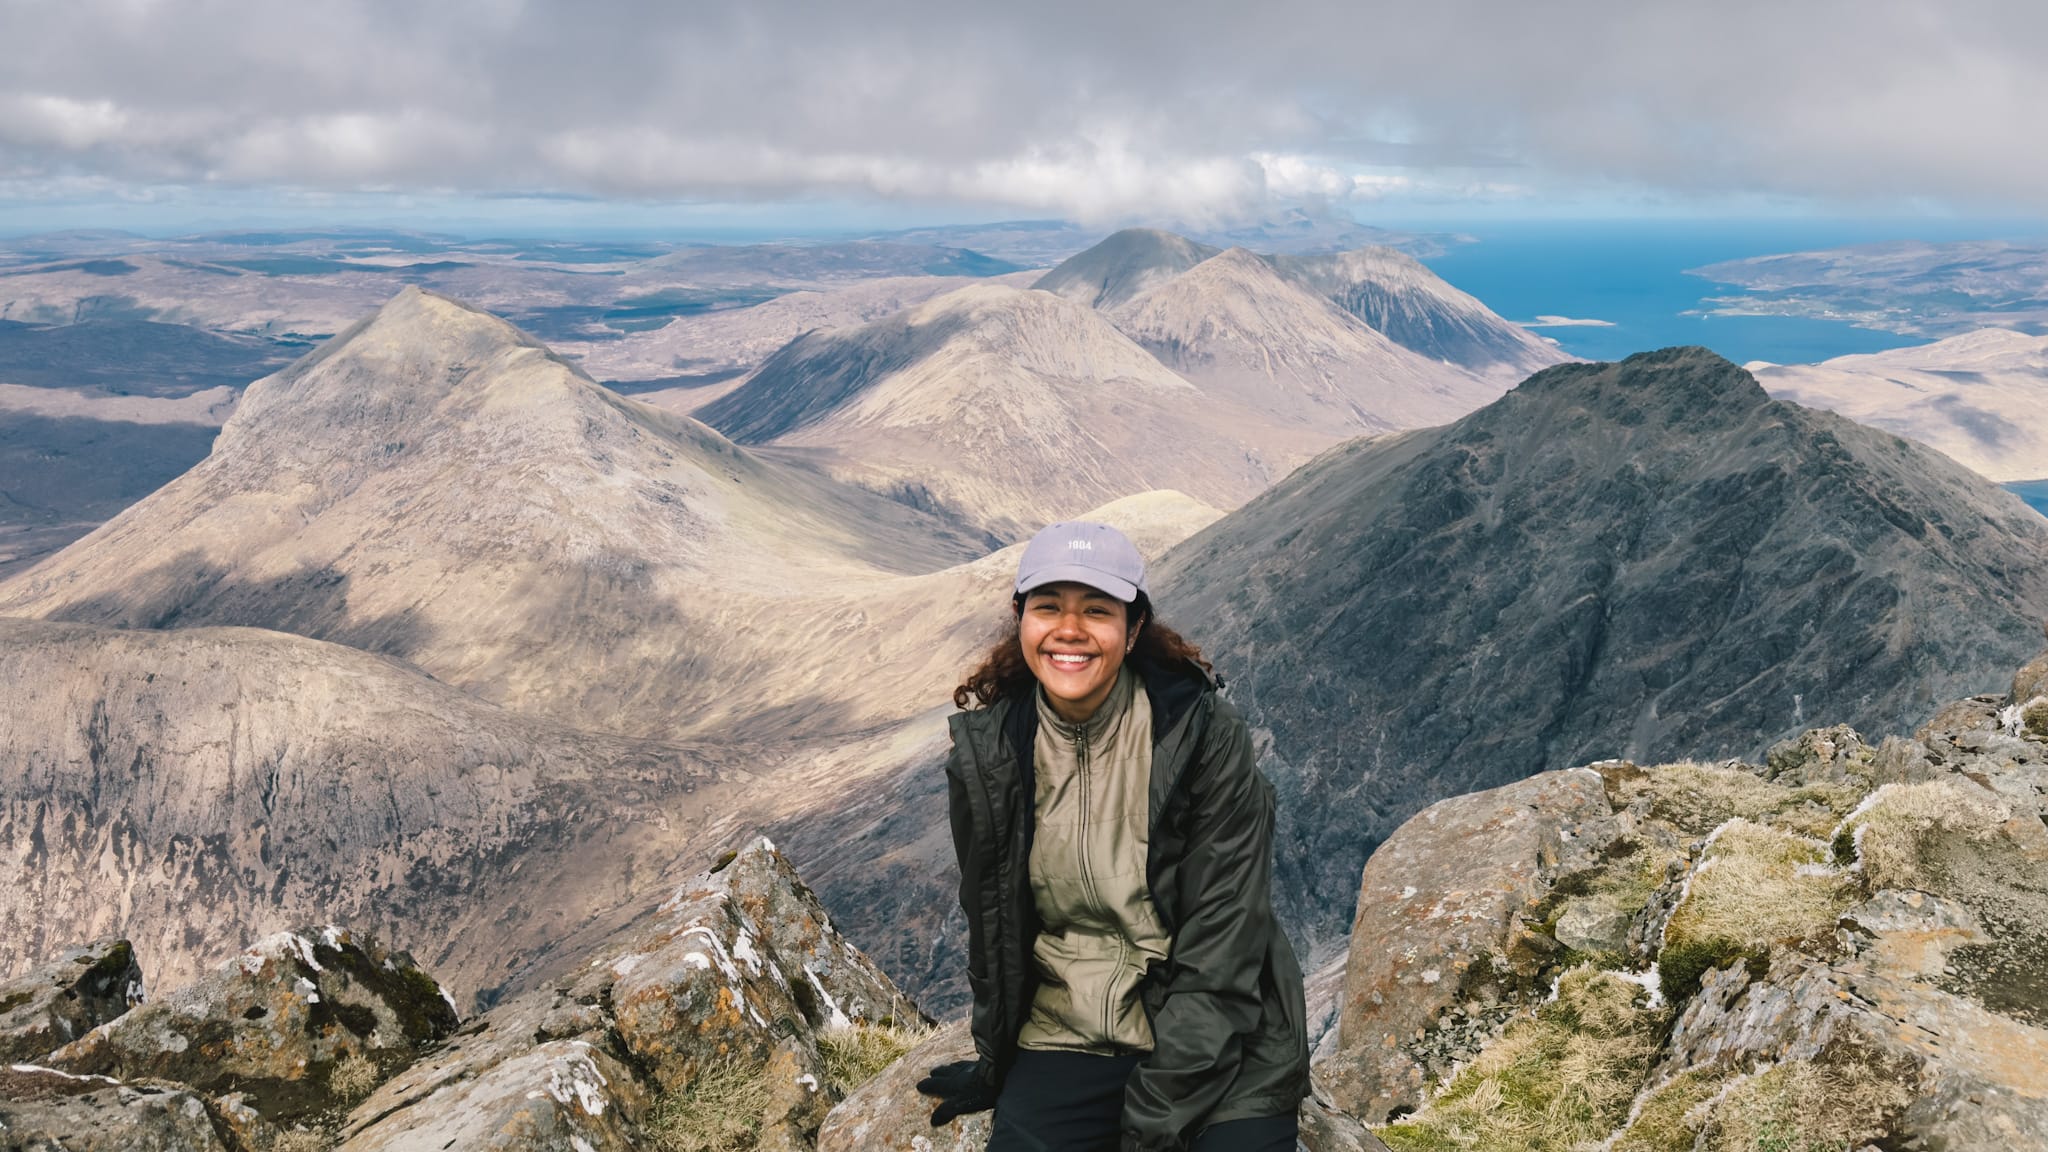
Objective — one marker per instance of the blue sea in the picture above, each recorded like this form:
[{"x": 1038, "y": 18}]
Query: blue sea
[{"x": 1632, "y": 274}]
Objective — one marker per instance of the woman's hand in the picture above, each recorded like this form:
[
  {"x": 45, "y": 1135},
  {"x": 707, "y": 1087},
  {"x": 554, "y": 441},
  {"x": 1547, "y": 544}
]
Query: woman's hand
[{"x": 962, "y": 1087}]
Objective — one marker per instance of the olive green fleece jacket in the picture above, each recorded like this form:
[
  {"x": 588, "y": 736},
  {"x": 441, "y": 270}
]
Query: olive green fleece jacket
[
  {"x": 1098, "y": 931},
  {"x": 1225, "y": 1005}
]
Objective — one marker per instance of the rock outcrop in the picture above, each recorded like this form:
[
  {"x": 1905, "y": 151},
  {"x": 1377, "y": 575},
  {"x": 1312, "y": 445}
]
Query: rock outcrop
[
  {"x": 887, "y": 1114},
  {"x": 1650, "y": 559},
  {"x": 1440, "y": 944},
  {"x": 1837, "y": 948},
  {"x": 43, "y": 1110},
  {"x": 299, "y": 1025},
  {"x": 65, "y": 997},
  {"x": 728, "y": 1013}
]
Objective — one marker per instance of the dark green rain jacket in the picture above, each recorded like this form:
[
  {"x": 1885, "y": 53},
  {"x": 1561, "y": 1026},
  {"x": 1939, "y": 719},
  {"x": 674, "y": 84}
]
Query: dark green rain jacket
[{"x": 1230, "y": 1039}]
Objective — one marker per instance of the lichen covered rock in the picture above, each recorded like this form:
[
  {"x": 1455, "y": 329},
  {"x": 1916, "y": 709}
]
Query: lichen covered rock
[
  {"x": 1442, "y": 928},
  {"x": 44, "y": 1110},
  {"x": 65, "y": 997},
  {"x": 706, "y": 1018},
  {"x": 289, "y": 1023}
]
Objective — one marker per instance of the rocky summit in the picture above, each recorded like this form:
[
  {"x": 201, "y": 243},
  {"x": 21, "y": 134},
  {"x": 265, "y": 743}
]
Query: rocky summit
[
  {"x": 1838, "y": 946},
  {"x": 1648, "y": 559}
]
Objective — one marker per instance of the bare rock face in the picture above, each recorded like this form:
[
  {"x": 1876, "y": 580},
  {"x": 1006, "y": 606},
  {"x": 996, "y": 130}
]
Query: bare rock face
[
  {"x": 65, "y": 997},
  {"x": 191, "y": 790},
  {"x": 42, "y": 1110},
  {"x": 1441, "y": 925},
  {"x": 888, "y": 1114},
  {"x": 289, "y": 1024},
  {"x": 1841, "y": 948},
  {"x": 736, "y": 981}
]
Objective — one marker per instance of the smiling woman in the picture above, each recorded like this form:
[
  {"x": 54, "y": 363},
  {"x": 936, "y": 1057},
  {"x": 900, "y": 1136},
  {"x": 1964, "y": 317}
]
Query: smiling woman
[{"x": 1131, "y": 988}]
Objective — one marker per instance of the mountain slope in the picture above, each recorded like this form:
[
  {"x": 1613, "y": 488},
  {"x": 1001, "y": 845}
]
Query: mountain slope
[
  {"x": 1981, "y": 397},
  {"x": 1233, "y": 326},
  {"x": 190, "y": 789},
  {"x": 1648, "y": 559},
  {"x": 1007, "y": 408},
  {"x": 1397, "y": 296},
  {"x": 1123, "y": 265},
  {"x": 435, "y": 485}
]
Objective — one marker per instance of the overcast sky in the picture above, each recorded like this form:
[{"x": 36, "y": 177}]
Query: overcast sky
[{"x": 1100, "y": 110}]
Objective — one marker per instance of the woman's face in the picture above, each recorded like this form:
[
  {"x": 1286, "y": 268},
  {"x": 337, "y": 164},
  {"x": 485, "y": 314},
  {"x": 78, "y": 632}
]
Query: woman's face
[{"x": 1074, "y": 639}]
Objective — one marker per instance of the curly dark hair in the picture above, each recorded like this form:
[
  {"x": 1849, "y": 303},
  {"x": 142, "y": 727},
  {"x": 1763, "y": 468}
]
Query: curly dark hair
[{"x": 1003, "y": 672}]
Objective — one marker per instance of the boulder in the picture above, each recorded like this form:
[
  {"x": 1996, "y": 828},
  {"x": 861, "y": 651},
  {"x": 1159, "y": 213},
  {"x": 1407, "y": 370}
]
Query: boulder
[
  {"x": 1440, "y": 933},
  {"x": 44, "y": 1110},
  {"x": 888, "y": 1114},
  {"x": 301, "y": 1023},
  {"x": 543, "y": 1065},
  {"x": 1594, "y": 926},
  {"x": 64, "y": 998},
  {"x": 727, "y": 987}
]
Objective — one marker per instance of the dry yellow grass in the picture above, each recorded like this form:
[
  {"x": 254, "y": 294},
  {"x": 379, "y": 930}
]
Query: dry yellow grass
[
  {"x": 1662, "y": 1122},
  {"x": 1757, "y": 887},
  {"x": 1701, "y": 797},
  {"x": 720, "y": 1110},
  {"x": 853, "y": 1056},
  {"x": 1830, "y": 1105},
  {"x": 354, "y": 1077},
  {"x": 1891, "y": 832},
  {"x": 1551, "y": 1082}
]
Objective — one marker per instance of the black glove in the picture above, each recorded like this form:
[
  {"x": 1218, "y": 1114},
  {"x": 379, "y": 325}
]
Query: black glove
[{"x": 962, "y": 1087}]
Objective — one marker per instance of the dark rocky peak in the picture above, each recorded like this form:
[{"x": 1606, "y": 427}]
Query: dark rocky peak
[
  {"x": 1124, "y": 265},
  {"x": 1646, "y": 559},
  {"x": 1679, "y": 388}
]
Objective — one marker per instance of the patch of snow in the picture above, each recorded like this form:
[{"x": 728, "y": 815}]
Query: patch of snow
[
  {"x": 580, "y": 1144},
  {"x": 449, "y": 1000},
  {"x": 743, "y": 951},
  {"x": 66, "y": 1075},
  {"x": 135, "y": 993},
  {"x": 252, "y": 963},
  {"x": 308, "y": 989},
  {"x": 697, "y": 960},
  {"x": 808, "y": 1081},
  {"x": 2010, "y": 719},
  {"x": 331, "y": 936},
  {"x": 836, "y": 1021},
  {"x": 304, "y": 950},
  {"x": 767, "y": 845},
  {"x": 582, "y": 1083},
  {"x": 1431, "y": 975},
  {"x": 631, "y": 960},
  {"x": 1648, "y": 981}
]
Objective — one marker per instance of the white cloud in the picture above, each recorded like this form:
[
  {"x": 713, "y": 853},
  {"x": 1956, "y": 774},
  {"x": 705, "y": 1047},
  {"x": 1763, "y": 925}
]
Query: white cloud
[{"x": 1192, "y": 109}]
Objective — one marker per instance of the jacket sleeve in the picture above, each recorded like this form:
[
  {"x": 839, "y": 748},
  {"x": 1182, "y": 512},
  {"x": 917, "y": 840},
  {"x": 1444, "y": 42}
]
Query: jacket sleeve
[
  {"x": 972, "y": 902},
  {"x": 1211, "y": 987}
]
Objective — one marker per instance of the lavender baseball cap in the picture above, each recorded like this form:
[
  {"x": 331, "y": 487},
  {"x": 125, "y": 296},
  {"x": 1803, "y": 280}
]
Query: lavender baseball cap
[{"x": 1076, "y": 551}]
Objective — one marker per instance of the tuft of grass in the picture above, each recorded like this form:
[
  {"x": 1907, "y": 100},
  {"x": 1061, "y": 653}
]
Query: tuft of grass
[
  {"x": 1701, "y": 797},
  {"x": 853, "y": 1056},
  {"x": 1662, "y": 1122},
  {"x": 1757, "y": 887},
  {"x": 1891, "y": 833},
  {"x": 1840, "y": 1102},
  {"x": 301, "y": 1140},
  {"x": 1552, "y": 1081},
  {"x": 354, "y": 1076},
  {"x": 721, "y": 1109}
]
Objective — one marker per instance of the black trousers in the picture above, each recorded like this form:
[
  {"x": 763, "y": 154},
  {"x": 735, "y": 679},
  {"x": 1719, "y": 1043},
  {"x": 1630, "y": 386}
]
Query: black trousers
[{"x": 1074, "y": 1102}]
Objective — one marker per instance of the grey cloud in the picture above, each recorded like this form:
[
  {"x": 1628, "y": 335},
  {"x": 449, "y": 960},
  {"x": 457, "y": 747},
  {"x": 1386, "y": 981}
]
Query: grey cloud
[{"x": 1188, "y": 107}]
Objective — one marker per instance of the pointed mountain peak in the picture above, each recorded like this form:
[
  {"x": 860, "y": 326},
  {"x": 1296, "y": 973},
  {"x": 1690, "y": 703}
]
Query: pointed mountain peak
[{"x": 1123, "y": 265}]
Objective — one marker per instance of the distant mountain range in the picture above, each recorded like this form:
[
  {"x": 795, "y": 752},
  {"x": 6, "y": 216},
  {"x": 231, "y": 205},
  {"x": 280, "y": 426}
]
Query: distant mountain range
[
  {"x": 1981, "y": 397},
  {"x": 1094, "y": 369}
]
